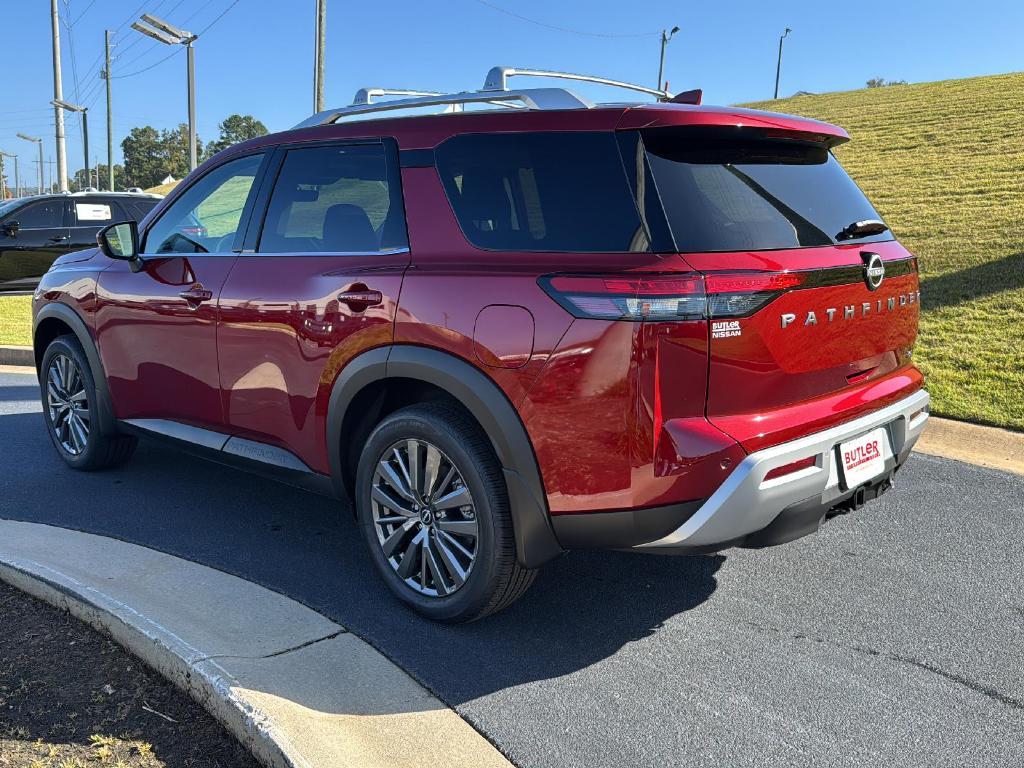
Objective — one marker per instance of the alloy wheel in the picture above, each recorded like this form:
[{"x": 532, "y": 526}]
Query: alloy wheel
[
  {"x": 68, "y": 404},
  {"x": 424, "y": 517}
]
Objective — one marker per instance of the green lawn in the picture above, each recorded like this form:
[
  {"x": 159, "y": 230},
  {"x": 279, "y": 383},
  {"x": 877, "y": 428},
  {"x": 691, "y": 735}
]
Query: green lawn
[
  {"x": 944, "y": 164},
  {"x": 16, "y": 320}
]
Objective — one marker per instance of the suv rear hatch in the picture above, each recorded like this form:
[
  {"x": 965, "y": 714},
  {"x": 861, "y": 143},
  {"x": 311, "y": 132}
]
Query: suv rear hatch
[{"x": 813, "y": 305}]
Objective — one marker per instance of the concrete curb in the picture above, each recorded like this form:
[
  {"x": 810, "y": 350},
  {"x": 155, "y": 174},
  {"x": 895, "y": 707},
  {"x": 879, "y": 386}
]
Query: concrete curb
[
  {"x": 12, "y": 355},
  {"x": 973, "y": 443},
  {"x": 295, "y": 688}
]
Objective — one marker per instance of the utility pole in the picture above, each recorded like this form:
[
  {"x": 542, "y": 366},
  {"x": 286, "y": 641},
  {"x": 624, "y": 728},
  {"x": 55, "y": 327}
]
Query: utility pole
[
  {"x": 110, "y": 119},
  {"x": 58, "y": 112},
  {"x": 3, "y": 186},
  {"x": 318, "y": 55},
  {"x": 778, "y": 66},
  {"x": 665, "y": 37}
]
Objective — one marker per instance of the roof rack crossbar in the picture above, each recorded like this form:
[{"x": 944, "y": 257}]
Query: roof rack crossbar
[
  {"x": 495, "y": 92},
  {"x": 497, "y": 80}
]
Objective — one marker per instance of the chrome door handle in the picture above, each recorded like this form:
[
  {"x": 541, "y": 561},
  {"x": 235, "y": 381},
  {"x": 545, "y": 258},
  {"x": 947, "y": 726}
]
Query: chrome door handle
[
  {"x": 197, "y": 295},
  {"x": 358, "y": 300},
  {"x": 60, "y": 239}
]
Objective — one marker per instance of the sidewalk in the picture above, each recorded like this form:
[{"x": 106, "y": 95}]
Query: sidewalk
[{"x": 294, "y": 687}]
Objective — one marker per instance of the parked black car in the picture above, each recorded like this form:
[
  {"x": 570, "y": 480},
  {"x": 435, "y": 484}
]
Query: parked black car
[{"x": 36, "y": 230}]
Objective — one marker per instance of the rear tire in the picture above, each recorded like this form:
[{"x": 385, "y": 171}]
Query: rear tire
[
  {"x": 432, "y": 503},
  {"x": 69, "y": 398}
]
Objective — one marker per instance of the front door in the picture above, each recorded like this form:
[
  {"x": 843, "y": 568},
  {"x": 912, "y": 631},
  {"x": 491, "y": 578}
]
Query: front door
[
  {"x": 320, "y": 286},
  {"x": 31, "y": 237},
  {"x": 157, "y": 328}
]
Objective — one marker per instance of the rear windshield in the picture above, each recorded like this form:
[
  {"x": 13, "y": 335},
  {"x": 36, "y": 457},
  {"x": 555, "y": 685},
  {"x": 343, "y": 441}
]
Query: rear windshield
[
  {"x": 541, "y": 192},
  {"x": 724, "y": 194}
]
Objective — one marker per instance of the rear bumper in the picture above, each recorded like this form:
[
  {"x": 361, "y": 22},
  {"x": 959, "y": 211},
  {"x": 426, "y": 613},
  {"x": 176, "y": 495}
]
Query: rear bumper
[{"x": 784, "y": 508}]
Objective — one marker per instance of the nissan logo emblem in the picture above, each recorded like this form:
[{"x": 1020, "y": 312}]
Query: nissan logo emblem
[{"x": 874, "y": 270}]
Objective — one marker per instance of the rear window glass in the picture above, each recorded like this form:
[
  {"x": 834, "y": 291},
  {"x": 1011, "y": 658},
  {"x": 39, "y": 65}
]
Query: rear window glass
[
  {"x": 729, "y": 195},
  {"x": 541, "y": 192}
]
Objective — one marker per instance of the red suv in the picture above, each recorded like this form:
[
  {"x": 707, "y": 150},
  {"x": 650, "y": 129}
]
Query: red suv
[{"x": 526, "y": 325}]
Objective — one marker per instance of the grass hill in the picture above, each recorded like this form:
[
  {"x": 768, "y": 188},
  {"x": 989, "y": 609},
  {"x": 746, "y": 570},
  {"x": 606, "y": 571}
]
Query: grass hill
[{"x": 944, "y": 164}]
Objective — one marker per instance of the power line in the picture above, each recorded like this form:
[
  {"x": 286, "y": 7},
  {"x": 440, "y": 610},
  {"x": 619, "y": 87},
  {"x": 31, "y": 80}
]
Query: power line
[
  {"x": 90, "y": 5},
  {"x": 557, "y": 28}
]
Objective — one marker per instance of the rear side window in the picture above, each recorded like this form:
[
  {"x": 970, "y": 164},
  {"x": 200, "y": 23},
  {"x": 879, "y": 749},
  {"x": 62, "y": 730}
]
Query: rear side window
[
  {"x": 541, "y": 192},
  {"x": 725, "y": 194},
  {"x": 97, "y": 213},
  {"x": 335, "y": 199}
]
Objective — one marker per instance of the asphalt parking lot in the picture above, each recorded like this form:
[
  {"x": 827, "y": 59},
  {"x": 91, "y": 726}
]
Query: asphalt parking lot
[{"x": 894, "y": 637}]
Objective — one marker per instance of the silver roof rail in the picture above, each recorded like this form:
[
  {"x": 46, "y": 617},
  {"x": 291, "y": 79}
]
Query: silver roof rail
[
  {"x": 495, "y": 92},
  {"x": 497, "y": 80}
]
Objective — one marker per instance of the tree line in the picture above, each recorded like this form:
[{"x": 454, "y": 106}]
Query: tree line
[{"x": 150, "y": 155}]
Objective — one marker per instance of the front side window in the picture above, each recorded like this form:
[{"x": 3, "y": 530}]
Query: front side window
[
  {"x": 43, "y": 215},
  {"x": 206, "y": 218},
  {"x": 541, "y": 192},
  {"x": 335, "y": 199}
]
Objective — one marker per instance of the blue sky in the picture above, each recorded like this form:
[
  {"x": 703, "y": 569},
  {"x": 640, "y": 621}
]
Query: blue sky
[{"x": 257, "y": 58}]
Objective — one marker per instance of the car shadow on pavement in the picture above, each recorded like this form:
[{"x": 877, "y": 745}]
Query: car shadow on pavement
[{"x": 582, "y": 609}]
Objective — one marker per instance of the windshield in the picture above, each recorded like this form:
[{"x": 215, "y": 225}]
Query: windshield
[
  {"x": 9, "y": 205},
  {"x": 728, "y": 194}
]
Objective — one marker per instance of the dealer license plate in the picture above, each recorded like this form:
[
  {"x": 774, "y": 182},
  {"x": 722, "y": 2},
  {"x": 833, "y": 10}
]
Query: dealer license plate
[{"x": 862, "y": 459}]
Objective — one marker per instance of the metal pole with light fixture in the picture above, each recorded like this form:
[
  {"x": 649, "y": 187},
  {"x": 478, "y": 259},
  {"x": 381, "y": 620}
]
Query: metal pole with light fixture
[
  {"x": 85, "y": 131},
  {"x": 318, "y": 55},
  {"x": 778, "y": 66},
  {"x": 665, "y": 37},
  {"x": 166, "y": 33},
  {"x": 40, "y": 143}
]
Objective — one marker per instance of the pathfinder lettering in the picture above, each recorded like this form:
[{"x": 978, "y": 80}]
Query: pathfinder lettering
[{"x": 850, "y": 310}]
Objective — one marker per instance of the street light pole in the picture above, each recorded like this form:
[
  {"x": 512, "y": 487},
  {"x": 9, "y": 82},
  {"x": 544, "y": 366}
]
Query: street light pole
[
  {"x": 665, "y": 37},
  {"x": 40, "y": 143},
  {"x": 85, "y": 131},
  {"x": 166, "y": 33},
  {"x": 778, "y": 66},
  {"x": 193, "y": 152}
]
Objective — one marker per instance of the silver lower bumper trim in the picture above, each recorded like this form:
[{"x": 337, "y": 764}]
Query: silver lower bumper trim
[{"x": 746, "y": 502}]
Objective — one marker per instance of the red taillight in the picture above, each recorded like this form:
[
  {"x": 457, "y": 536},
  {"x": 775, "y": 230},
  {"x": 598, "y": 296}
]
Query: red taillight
[
  {"x": 789, "y": 469},
  {"x": 687, "y": 296},
  {"x": 629, "y": 297}
]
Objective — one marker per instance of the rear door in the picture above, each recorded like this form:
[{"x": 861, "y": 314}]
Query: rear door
[
  {"x": 157, "y": 327},
  {"x": 814, "y": 305},
  {"x": 317, "y": 284},
  {"x": 42, "y": 235}
]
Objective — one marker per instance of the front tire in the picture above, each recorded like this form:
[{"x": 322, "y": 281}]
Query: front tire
[
  {"x": 69, "y": 408},
  {"x": 432, "y": 504}
]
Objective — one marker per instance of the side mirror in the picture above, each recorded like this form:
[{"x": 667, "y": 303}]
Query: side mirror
[
  {"x": 121, "y": 241},
  {"x": 11, "y": 228}
]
